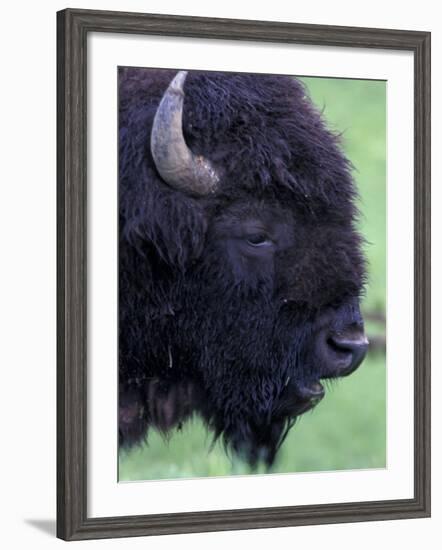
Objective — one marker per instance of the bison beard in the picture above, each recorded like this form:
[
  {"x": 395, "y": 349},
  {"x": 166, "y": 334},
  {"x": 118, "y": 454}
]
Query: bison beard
[{"x": 234, "y": 303}]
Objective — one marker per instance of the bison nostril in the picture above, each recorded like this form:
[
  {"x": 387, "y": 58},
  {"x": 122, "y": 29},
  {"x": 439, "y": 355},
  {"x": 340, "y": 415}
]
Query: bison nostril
[{"x": 350, "y": 347}]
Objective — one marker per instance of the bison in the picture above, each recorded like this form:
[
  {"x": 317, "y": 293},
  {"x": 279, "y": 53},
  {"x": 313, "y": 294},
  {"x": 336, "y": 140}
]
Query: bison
[{"x": 240, "y": 266}]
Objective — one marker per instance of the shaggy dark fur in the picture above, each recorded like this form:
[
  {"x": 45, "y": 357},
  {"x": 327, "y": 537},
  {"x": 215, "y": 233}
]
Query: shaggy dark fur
[{"x": 208, "y": 322}]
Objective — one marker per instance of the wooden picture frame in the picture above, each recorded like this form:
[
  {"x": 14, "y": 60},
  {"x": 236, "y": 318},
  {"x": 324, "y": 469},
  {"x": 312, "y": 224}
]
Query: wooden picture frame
[{"x": 73, "y": 26}]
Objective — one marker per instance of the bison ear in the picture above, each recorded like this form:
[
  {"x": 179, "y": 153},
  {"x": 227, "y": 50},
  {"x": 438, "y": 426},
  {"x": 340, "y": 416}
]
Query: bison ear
[{"x": 173, "y": 223}]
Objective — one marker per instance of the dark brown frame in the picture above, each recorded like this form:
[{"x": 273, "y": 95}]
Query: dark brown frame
[{"x": 73, "y": 27}]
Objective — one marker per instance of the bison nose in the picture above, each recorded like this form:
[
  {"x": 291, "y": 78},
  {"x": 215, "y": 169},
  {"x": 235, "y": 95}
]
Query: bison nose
[{"x": 346, "y": 351}]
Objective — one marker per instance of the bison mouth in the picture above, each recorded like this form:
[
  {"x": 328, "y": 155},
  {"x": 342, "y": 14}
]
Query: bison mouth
[{"x": 299, "y": 398}]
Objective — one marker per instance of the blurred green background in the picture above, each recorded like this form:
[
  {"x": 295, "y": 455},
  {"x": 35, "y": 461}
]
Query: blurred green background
[{"x": 347, "y": 430}]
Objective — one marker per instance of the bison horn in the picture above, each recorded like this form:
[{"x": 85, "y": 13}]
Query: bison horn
[{"x": 175, "y": 162}]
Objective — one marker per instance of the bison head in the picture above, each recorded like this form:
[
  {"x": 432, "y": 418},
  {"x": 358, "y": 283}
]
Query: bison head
[{"x": 240, "y": 267}]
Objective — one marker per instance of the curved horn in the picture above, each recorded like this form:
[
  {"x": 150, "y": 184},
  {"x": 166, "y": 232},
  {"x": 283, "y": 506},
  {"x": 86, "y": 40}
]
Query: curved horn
[{"x": 175, "y": 162}]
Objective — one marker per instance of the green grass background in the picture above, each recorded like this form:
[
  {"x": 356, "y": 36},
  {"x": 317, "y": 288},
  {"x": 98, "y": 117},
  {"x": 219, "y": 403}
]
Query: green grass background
[{"x": 347, "y": 430}]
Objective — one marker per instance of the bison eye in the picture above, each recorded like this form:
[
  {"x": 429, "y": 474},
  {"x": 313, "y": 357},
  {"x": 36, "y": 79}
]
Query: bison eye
[{"x": 258, "y": 240}]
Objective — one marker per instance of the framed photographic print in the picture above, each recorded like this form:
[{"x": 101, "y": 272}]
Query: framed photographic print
[{"x": 243, "y": 274}]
